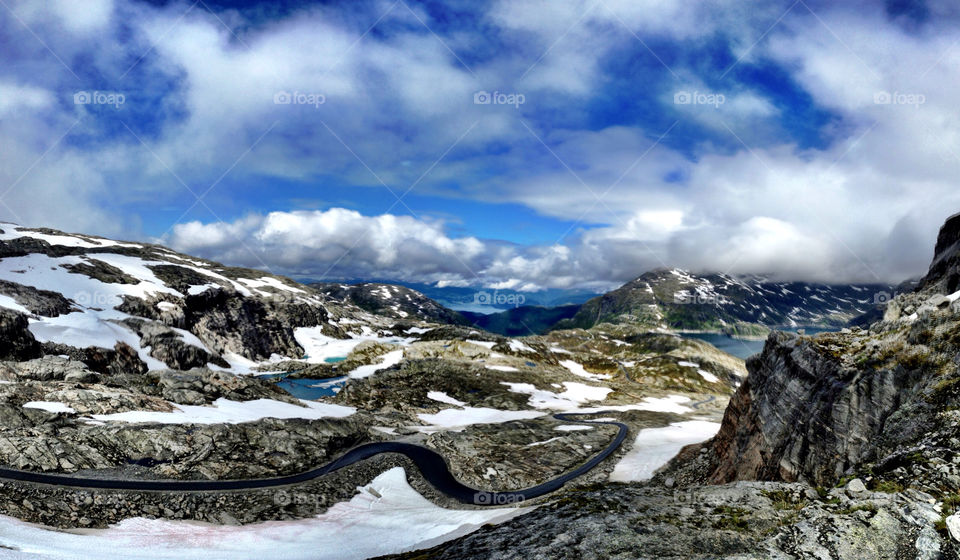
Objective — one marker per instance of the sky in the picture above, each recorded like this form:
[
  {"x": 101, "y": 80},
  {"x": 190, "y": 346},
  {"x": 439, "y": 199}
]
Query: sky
[{"x": 514, "y": 144}]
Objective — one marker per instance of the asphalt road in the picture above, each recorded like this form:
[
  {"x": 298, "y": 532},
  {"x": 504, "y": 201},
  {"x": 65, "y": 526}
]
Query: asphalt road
[{"x": 430, "y": 463}]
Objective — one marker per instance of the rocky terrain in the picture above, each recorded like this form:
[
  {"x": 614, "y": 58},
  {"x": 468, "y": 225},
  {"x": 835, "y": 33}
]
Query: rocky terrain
[
  {"x": 128, "y": 360},
  {"x": 674, "y": 299},
  {"x": 842, "y": 445}
]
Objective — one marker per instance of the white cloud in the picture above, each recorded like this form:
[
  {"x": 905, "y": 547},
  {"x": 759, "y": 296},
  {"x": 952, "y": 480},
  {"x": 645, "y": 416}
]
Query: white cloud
[
  {"x": 310, "y": 243},
  {"x": 864, "y": 207}
]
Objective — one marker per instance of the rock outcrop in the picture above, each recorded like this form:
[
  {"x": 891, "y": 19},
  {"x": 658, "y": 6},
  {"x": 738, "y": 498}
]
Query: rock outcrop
[
  {"x": 16, "y": 341},
  {"x": 815, "y": 408},
  {"x": 944, "y": 274}
]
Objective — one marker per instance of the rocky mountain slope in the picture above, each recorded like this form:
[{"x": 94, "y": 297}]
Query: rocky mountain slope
[
  {"x": 675, "y": 299},
  {"x": 522, "y": 321},
  {"x": 391, "y": 300},
  {"x": 128, "y": 360},
  {"x": 841, "y": 445}
]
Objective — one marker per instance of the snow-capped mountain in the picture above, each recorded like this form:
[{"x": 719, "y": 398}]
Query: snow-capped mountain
[
  {"x": 391, "y": 300},
  {"x": 119, "y": 305},
  {"x": 677, "y": 299}
]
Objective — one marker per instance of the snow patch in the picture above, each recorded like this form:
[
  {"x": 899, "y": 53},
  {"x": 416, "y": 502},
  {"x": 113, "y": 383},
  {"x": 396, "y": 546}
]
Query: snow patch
[
  {"x": 386, "y": 516},
  {"x": 654, "y": 447},
  {"x": 224, "y": 411}
]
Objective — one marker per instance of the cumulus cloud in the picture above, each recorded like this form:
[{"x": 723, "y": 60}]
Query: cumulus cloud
[
  {"x": 335, "y": 243},
  {"x": 739, "y": 193}
]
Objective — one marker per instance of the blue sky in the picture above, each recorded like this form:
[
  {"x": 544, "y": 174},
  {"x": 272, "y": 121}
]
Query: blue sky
[{"x": 799, "y": 139}]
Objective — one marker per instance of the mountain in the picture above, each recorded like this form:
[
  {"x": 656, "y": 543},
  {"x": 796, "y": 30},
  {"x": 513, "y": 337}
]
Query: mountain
[
  {"x": 484, "y": 300},
  {"x": 134, "y": 306},
  {"x": 840, "y": 445},
  {"x": 391, "y": 300},
  {"x": 522, "y": 321},
  {"x": 674, "y": 299},
  {"x": 129, "y": 361}
]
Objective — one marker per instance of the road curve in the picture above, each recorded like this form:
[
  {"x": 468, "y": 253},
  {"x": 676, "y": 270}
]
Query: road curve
[{"x": 430, "y": 463}]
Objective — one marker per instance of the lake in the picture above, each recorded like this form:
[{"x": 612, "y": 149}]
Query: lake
[
  {"x": 308, "y": 389},
  {"x": 745, "y": 348}
]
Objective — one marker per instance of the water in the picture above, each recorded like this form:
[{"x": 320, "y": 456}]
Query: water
[
  {"x": 745, "y": 348},
  {"x": 310, "y": 389}
]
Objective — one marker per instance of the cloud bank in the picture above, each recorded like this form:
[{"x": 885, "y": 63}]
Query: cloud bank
[{"x": 833, "y": 155}]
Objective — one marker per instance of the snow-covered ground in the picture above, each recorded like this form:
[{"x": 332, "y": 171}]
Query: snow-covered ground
[
  {"x": 55, "y": 407},
  {"x": 390, "y": 359},
  {"x": 573, "y": 396},
  {"x": 579, "y": 371},
  {"x": 459, "y": 418},
  {"x": 654, "y": 447},
  {"x": 320, "y": 347},
  {"x": 398, "y": 520},
  {"x": 226, "y": 411}
]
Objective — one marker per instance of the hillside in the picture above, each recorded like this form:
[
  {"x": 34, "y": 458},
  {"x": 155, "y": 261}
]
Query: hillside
[
  {"x": 391, "y": 300},
  {"x": 674, "y": 299},
  {"x": 842, "y": 445},
  {"x": 131, "y": 362},
  {"x": 522, "y": 321}
]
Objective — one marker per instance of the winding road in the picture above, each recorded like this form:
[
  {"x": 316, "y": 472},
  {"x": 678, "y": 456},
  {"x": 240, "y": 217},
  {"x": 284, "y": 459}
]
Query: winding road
[{"x": 430, "y": 463}]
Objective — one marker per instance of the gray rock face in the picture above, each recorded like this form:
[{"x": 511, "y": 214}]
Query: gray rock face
[
  {"x": 169, "y": 347},
  {"x": 16, "y": 341},
  {"x": 944, "y": 273},
  {"x": 804, "y": 415},
  {"x": 227, "y": 321},
  {"x": 736, "y": 522},
  {"x": 41, "y": 302}
]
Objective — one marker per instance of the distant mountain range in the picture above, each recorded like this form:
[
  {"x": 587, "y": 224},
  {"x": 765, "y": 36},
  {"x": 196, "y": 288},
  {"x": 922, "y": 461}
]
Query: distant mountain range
[
  {"x": 675, "y": 299},
  {"x": 662, "y": 299},
  {"x": 391, "y": 300},
  {"x": 476, "y": 299}
]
